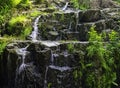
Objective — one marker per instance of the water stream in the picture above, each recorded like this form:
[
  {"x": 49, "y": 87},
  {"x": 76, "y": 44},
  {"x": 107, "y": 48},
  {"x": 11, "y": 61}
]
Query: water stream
[
  {"x": 22, "y": 52},
  {"x": 55, "y": 54},
  {"x": 65, "y": 7},
  {"x": 77, "y": 21},
  {"x": 35, "y": 33},
  {"x": 45, "y": 79}
]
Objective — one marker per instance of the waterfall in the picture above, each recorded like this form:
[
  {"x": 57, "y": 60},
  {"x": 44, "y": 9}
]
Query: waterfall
[
  {"x": 35, "y": 33},
  {"x": 70, "y": 26},
  {"x": 77, "y": 21},
  {"x": 22, "y": 52},
  {"x": 65, "y": 7},
  {"x": 45, "y": 79},
  {"x": 52, "y": 57}
]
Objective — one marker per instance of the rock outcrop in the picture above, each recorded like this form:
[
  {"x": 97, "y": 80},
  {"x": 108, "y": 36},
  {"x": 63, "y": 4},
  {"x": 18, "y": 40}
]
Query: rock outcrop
[{"x": 59, "y": 50}]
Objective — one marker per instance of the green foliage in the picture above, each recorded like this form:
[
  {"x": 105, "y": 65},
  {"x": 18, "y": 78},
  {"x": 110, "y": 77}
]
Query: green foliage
[
  {"x": 70, "y": 47},
  {"x": 103, "y": 55},
  {"x": 19, "y": 25},
  {"x": 19, "y": 19},
  {"x": 81, "y": 4},
  {"x": 9, "y": 9},
  {"x": 113, "y": 36},
  {"x": 25, "y": 4},
  {"x": 49, "y": 85},
  {"x": 117, "y": 1},
  {"x": 4, "y": 14},
  {"x": 26, "y": 32},
  {"x": 35, "y": 13},
  {"x": 15, "y": 2},
  {"x": 3, "y": 42},
  {"x": 39, "y": 1},
  {"x": 2, "y": 46},
  {"x": 75, "y": 3}
]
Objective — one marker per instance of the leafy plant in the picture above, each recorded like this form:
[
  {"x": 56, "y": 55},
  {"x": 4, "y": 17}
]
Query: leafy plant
[
  {"x": 3, "y": 42},
  {"x": 15, "y": 2},
  {"x": 70, "y": 47},
  {"x": 81, "y": 4},
  {"x": 18, "y": 25},
  {"x": 15, "y": 20},
  {"x": 2, "y": 46},
  {"x": 103, "y": 53},
  {"x": 26, "y": 32}
]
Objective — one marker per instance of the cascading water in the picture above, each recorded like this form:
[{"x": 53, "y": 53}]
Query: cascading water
[
  {"x": 52, "y": 65},
  {"x": 65, "y": 7},
  {"x": 77, "y": 21},
  {"x": 58, "y": 65},
  {"x": 45, "y": 79},
  {"x": 22, "y": 52},
  {"x": 35, "y": 33}
]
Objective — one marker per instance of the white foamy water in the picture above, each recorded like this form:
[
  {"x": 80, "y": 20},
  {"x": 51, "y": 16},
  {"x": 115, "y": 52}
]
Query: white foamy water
[
  {"x": 65, "y": 7},
  {"x": 64, "y": 68},
  {"x": 50, "y": 43},
  {"x": 35, "y": 33},
  {"x": 22, "y": 52}
]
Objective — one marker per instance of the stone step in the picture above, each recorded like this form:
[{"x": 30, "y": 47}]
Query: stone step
[
  {"x": 65, "y": 59},
  {"x": 70, "y": 35},
  {"x": 62, "y": 78},
  {"x": 91, "y": 15},
  {"x": 101, "y": 25}
]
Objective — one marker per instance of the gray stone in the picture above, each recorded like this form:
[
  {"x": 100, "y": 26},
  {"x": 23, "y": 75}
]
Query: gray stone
[
  {"x": 64, "y": 79},
  {"x": 90, "y": 15},
  {"x": 100, "y": 25},
  {"x": 70, "y": 35}
]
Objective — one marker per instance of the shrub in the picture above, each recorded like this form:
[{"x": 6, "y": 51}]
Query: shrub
[
  {"x": 17, "y": 25},
  {"x": 3, "y": 42},
  {"x": 103, "y": 56}
]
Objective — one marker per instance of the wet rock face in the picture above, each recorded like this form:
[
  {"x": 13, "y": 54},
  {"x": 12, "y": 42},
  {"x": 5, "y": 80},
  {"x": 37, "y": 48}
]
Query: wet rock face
[
  {"x": 64, "y": 79},
  {"x": 29, "y": 78},
  {"x": 53, "y": 64},
  {"x": 43, "y": 66},
  {"x": 56, "y": 24},
  {"x": 74, "y": 25},
  {"x": 90, "y": 15}
]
